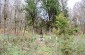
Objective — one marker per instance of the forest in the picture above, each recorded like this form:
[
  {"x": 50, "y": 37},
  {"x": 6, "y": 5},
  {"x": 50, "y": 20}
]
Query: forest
[{"x": 42, "y": 27}]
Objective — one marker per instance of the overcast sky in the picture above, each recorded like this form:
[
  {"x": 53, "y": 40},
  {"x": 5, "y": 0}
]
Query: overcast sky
[{"x": 71, "y": 3}]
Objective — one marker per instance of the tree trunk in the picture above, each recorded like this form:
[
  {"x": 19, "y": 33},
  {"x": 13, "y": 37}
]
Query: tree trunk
[
  {"x": 25, "y": 25},
  {"x": 41, "y": 34},
  {"x": 4, "y": 26},
  {"x": 84, "y": 29},
  {"x": 33, "y": 28},
  {"x": 5, "y": 15},
  {"x": 15, "y": 22}
]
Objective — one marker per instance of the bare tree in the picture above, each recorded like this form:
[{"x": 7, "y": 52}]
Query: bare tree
[
  {"x": 17, "y": 15},
  {"x": 5, "y": 11},
  {"x": 79, "y": 15},
  {"x": 0, "y": 13}
]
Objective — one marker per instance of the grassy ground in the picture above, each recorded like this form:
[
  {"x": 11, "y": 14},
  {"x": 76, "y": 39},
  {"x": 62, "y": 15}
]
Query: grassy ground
[{"x": 20, "y": 45}]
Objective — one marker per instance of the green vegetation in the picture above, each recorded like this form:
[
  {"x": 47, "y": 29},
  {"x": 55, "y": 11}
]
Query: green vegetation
[
  {"x": 12, "y": 45},
  {"x": 61, "y": 24},
  {"x": 41, "y": 27},
  {"x": 53, "y": 9}
]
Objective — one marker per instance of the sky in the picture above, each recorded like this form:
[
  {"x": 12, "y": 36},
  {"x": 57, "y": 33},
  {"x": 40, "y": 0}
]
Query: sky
[{"x": 71, "y": 3}]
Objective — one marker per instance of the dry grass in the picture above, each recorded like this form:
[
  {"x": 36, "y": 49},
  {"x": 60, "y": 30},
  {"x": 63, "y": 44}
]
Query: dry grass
[{"x": 26, "y": 45}]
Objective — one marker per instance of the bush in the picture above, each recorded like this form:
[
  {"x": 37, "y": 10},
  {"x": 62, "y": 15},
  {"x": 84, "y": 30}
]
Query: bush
[
  {"x": 63, "y": 26},
  {"x": 61, "y": 23}
]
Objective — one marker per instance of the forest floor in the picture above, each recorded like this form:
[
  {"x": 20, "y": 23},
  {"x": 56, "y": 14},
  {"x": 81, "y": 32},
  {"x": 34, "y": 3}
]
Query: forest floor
[{"x": 21, "y": 45}]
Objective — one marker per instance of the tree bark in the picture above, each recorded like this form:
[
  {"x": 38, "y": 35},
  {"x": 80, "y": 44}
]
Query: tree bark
[
  {"x": 33, "y": 29},
  {"x": 5, "y": 15},
  {"x": 15, "y": 21}
]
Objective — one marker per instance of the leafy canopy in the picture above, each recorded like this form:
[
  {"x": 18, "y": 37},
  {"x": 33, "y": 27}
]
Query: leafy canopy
[{"x": 31, "y": 11}]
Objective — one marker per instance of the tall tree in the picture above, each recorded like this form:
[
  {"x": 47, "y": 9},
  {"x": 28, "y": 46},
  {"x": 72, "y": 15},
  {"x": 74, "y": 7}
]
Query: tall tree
[
  {"x": 53, "y": 8},
  {"x": 63, "y": 4},
  {"x": 0, "y": 12},
  {"x": 31, "y": 13},
  {"x": 17, "y": 18},
  {"x": 5, "y": 11},
  {"x": 78, "y": 15}
]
